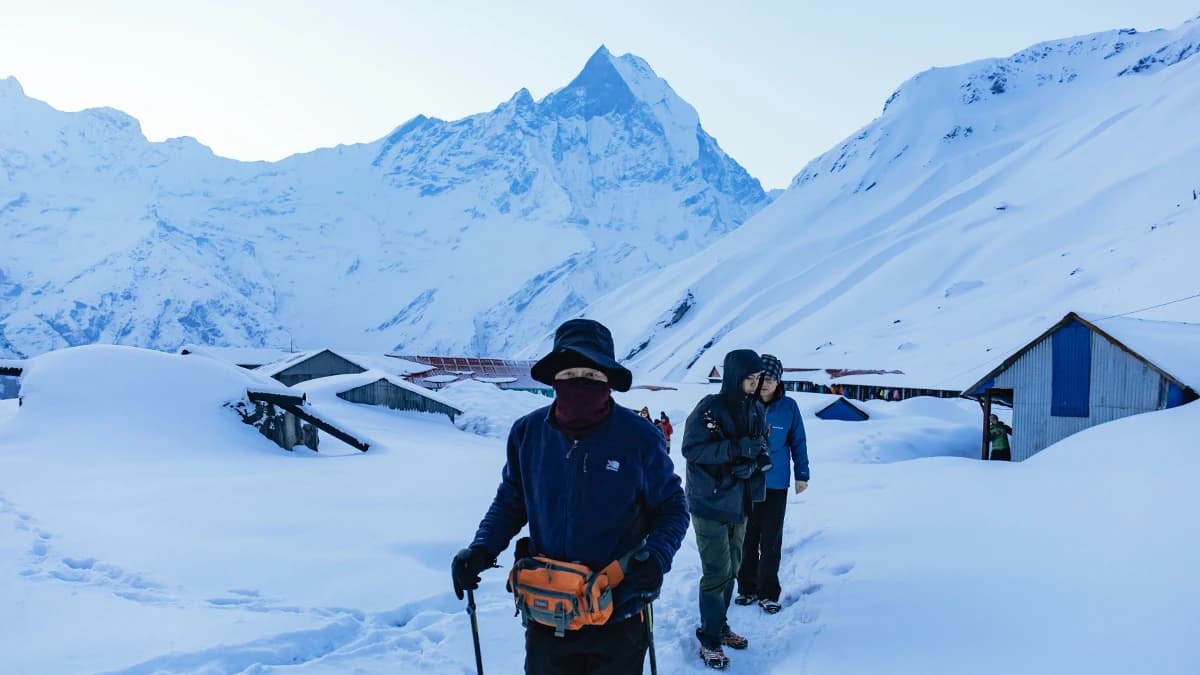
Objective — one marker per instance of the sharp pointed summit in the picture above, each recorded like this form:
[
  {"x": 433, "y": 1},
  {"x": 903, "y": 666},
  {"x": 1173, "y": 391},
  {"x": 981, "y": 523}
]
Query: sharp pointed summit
[{"x": 598, "y": 89}]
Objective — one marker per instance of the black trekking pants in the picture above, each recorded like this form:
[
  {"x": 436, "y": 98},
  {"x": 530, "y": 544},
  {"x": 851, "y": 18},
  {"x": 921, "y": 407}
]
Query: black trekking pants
[
  {"x": 763, "y": 548},
  {"x": 612, "y": 649}
]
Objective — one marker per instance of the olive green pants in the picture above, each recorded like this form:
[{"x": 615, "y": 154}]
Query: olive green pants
[{"x": 720, "y": 547}]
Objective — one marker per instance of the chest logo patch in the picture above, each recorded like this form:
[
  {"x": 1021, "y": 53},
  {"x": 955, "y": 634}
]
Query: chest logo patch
[{"x": 613, "y": 465}]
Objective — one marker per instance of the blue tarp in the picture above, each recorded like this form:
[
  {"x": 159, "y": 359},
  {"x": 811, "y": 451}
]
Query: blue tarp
[{"x": 844, "y": 410}]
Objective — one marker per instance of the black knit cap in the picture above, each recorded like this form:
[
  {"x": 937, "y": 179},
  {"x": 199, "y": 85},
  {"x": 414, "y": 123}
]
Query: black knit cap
[
  {"x": 583, "y": 343},
  {"x": 772, "y": 366}
]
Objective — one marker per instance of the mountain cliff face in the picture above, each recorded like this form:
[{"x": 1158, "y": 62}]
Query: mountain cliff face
[
  {"x": 984, "y": 203},
  {"x": 471, "y": 236}
]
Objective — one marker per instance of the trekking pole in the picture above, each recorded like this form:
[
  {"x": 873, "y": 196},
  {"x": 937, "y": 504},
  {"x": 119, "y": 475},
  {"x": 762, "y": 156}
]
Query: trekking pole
[
  {"x": 474, "y": 630},
  {"x": 648, "y": 597},
  {"x": 650, "y": 637}
]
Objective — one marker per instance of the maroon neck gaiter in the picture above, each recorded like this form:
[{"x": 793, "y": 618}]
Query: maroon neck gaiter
[{"x": 581, "y": 405}]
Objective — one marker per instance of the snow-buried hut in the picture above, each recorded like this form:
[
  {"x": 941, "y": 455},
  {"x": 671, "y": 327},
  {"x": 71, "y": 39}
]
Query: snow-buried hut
[
  {"x": 375, "y": 387},
  {"x": 1086, "y": 370}
]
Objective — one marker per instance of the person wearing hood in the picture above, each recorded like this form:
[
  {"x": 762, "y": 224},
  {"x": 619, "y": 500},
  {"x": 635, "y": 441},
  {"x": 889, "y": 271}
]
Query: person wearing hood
[
  {"x": 596, "y": 487},
  {"x": 664, "y": 423},
  {"x": 758, "y": 580},
  {"x": 727, "y": 451}
]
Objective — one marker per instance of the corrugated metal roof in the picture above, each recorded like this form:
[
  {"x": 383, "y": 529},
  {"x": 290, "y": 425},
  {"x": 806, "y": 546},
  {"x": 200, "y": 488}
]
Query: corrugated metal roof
[{"x": 504, "y": 373}]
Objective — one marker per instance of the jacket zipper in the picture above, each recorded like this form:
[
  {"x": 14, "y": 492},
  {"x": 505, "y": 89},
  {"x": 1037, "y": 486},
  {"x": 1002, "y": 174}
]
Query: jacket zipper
[{"x": 571, "y": 486}]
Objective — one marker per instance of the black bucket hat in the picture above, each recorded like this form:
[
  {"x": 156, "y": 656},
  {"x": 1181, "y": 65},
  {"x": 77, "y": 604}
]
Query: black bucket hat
[{"x": 582, "y": 343}]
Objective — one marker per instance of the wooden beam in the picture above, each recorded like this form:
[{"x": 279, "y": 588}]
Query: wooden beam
[
  {"x": 272, "y": 397},
  {"x": 987, "y": 422},
  {"x": 325, "y": 426}
]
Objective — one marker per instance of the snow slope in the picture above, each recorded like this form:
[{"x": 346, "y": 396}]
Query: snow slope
[
  {"x": 467, "y": 236},
  {"x": 146, "y": 530},
  {"x": 984, "y": 203}
]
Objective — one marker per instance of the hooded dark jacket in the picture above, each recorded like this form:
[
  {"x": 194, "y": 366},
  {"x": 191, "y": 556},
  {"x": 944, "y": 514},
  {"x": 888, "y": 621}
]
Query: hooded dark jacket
[{"x": 712, "y": 444}]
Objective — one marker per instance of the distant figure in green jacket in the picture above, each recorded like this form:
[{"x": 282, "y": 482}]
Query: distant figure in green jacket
[{"x": 998, "y": 432}]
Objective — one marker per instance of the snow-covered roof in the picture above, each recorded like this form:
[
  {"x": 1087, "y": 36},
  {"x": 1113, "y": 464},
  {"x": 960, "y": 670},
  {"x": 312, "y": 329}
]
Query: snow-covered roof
[
  {"x": 866, "y": 377},
  {"x": 440, "y": 379},
  {"x": 388, "y": 364},
  {"x": 275, "y": 367},
  {"x": 496, "y": 380},
  {"x": 338, "y": 384},
  {"x": 1172, "y": 347},
  {"x": 239, "y": 356},
  {"x": 366, "y": 361},
  {"x": 811, "y": 404}
]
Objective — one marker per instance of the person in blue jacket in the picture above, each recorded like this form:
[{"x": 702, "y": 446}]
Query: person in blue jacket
[
  {"x": 595, "y": 483},
  {"x": 758, "y": 579}
]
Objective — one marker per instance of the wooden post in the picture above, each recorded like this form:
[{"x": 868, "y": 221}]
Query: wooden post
[{"x": 987, "y": 420}]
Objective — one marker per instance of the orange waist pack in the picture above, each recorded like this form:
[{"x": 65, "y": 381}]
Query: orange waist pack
[{"x": 565, "y": 596}]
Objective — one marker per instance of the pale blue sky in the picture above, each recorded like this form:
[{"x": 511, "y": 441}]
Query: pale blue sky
[{"x": 777, "y": 83}]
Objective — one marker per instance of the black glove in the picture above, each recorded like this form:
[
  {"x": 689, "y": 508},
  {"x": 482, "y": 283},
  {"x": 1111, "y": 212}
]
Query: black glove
[
  {"x": 522, "y": 549},
  {"x": 465, "y": 569},
  {"x": 743, "y": 468},
  {"x": 645, "y": 576},
  {"x": 764, "y": 462}
]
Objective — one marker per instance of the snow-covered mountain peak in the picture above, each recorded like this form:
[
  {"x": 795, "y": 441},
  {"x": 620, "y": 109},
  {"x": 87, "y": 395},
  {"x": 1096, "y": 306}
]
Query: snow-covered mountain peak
[
  {"x": 9, "y": 86},
  {"x": 1102, "y": 55},
  {"x": 988, "y": 98},
  {"x": 393, "y": 244},
  {"x": 115, "y": 121},
  {"x": 609, "y": 84},
  {"x": 522, "y": 99},
  {"x": 598, "y": 90}
]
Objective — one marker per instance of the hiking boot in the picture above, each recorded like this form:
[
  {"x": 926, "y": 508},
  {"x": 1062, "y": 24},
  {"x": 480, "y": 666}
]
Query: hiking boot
[
  {"x": 714, "y": 658},
  {"x": 744, "y": 599},
  {"x": 733, "y": 640},
  {"x": 770, "y": 606}
]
